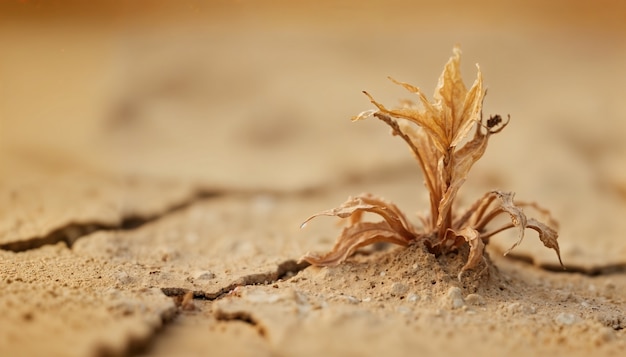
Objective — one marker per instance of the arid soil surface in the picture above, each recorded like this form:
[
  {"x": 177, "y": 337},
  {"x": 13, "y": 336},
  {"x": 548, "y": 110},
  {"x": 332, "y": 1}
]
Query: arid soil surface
[{"x": 158, "y": 158}]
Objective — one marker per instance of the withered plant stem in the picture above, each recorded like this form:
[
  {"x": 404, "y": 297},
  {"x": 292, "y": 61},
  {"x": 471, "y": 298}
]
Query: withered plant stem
[{"x": 436, "y": 131}]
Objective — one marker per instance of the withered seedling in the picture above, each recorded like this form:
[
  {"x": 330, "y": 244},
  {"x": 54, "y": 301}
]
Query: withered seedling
[{"x": 436, "y": 133}]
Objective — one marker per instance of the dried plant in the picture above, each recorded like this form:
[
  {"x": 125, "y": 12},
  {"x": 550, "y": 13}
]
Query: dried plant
[{"x": 436, "y": 133}]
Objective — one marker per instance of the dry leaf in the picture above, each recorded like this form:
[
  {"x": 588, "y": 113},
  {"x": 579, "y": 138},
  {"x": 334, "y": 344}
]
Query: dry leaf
[
  {"x": 354, "y": 237},
  {"x": 477, "y": 247},
  {"x": 433, "y": 131},
  {"x": 354, "y": 207},
  {"x": 394, "y": 229},
  {"x": 547, "y": 235}
]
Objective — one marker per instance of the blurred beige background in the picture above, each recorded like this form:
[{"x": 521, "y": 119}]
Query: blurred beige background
[{"x": 256, "y": 95}]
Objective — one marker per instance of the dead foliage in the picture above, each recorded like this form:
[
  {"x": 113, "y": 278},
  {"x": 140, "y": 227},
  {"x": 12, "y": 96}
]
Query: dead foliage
[{"x": 437, "y": 134}]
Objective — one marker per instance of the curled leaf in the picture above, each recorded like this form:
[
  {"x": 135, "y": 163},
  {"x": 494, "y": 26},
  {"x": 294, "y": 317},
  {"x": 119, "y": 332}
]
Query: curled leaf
[
  {"x": 547, "y": 235},
  {"x": 426, "y": 120},
  {"x": 354, "y": 237},
  {"x": 364, "y": 115},
  {"x": 394, "y": 229},
  {"x": 518, "y": 218},
  {"x": 354, "y": 207},
  {"x": 477, "y": 247}
]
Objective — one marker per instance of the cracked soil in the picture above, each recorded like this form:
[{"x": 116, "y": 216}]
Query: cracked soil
[{"x": 158, "y": 158}]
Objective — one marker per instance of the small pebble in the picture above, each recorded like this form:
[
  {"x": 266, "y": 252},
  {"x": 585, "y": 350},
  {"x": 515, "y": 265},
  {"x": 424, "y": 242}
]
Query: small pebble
[
  {"x": 563, "y": 296},
  {"x": 454, "y": 298},
  {"x": 565, "y": 319},
  {"x": 399, "y": 289},
  {"x": 413, "y": 297},
  {"x": 586, "y": 304},
  {"x": 123, "y": 277}
]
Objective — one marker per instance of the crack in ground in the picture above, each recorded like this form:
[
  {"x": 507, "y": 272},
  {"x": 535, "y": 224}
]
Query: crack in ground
[
  {"x": 242, "y": 316},
  {"x": 139, "y": 345},
  {"x": 594, "y": 271},
  {"x": 72, "y": 232},
  {"x": 284, "y": 271}
]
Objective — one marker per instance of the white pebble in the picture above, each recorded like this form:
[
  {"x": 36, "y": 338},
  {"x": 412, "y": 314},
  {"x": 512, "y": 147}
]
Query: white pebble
[
  {"x": 585, "y": 304},
  {"x": 565, "y": 319},
  {"x": 455, "y": 298},
  {"x": 123, "y": 277},
  {"x": 413, "y": 297}
]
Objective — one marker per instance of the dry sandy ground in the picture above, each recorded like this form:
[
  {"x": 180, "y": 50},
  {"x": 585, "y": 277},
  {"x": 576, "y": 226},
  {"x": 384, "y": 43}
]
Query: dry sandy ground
[{"x": 157, "y": 159}]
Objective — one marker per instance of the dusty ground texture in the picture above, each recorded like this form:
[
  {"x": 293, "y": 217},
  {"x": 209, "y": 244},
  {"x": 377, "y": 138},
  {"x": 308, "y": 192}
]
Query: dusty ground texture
[{"x": 157, "y": 159}]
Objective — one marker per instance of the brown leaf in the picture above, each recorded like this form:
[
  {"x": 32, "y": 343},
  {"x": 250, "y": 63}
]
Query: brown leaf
[
  {"x": 354, "y": 237},
  {"x": 547, "y": 235},
  {"x": 450, "y": 90},
  {"x": 450, "y": 94},
  {"x": 394, "y": 229},
  {"x": 354, "y": 207},
  {"x": 477, "y": 247},
  {"x": 364, "y": 115},
  {"x": 461, "y": 162},
  {"x": 462, "y": 105},
  {"x": 428, "y": 107},
  {"x": 518, "y": 218},
  {"x": 429, "y": 122},
  {"x": 470, "y": 115}
]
